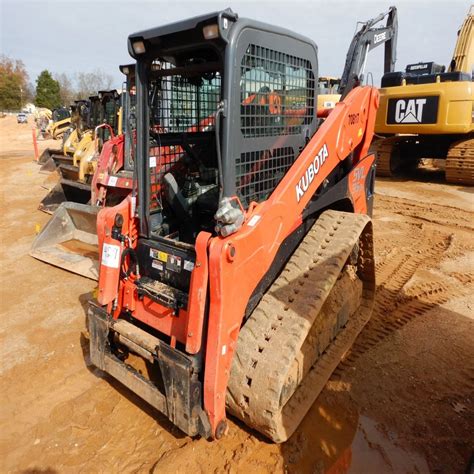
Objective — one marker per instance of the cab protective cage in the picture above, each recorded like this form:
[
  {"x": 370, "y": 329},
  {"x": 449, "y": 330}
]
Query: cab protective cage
[{"x": 253, "y": 59}]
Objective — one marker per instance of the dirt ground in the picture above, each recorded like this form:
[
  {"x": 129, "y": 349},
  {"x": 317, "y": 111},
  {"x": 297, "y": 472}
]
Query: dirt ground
[{"x": 401, "y": 401}]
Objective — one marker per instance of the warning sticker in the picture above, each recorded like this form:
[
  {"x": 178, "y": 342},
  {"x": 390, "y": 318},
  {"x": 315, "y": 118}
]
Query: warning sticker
[
  {"x": 188, "y": 265},
  {"x": 174, "y": 263},
  {"x": 111, "y": 255},
  {"x": 112, "y": 181},
  {"x": 163, "y": 256},
  {"x": 157, "y": 265},
  {"x": 253, "y": 220}
]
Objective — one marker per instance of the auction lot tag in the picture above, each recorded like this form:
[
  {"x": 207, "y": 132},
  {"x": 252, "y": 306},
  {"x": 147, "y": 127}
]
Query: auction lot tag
[{"x": 111, "y": 255}]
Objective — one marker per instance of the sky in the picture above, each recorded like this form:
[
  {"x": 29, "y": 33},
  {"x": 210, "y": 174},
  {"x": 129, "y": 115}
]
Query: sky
[{"x": 80, "y": 36}]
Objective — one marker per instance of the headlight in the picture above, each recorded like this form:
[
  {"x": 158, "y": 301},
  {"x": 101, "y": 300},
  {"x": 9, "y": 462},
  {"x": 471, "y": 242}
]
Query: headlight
[
  {"x": 138, "y": 47},
  {"x": 211, "y": 31}
]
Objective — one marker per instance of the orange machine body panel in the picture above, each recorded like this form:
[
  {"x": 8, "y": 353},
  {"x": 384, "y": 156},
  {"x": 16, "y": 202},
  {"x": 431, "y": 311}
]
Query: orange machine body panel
[{"x": 245, "y": 256}]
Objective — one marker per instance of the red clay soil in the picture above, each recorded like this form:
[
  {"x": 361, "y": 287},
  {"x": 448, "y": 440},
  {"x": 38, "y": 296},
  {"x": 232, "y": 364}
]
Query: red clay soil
[{"x": 401, "y": 401}]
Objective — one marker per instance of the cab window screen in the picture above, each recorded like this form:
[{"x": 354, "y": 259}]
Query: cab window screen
[{"x": 277, "y": 93}]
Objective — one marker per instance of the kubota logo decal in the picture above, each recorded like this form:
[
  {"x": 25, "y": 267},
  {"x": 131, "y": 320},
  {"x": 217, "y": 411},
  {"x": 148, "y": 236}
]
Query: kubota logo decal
[
  {"x": 412, "y": 110},
  {"x": 311, "y": 172}
]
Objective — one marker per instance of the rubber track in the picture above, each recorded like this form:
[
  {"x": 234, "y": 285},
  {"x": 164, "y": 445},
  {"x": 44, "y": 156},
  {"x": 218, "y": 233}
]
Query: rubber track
[
  {"x": 460, "y": 163},
  {"x": 262, "y": 389}
]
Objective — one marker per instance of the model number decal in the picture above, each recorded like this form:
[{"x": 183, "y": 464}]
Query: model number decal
[
  {"x": 353, "y": 118},
  {"x": 380, "y": 37},
  {"x": 311, "y": 172}
]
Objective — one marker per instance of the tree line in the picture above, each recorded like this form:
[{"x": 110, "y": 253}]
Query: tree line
[{"x": 50, "y": 90}]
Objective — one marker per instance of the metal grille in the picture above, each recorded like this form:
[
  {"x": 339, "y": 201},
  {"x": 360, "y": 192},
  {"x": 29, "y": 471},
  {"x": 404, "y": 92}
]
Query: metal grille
[
  {"x": 259, "y": 172},
  {"x": 181, "y": 104},
  {"x": 277, "y": 93},
  {"x": 162, "y": 160}
]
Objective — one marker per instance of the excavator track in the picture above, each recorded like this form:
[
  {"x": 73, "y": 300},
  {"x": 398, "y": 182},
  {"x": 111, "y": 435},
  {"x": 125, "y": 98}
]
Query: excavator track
[
  {"x": 304, "y": 325},
  {"x": 384, "y": 150},
  {"x": 460, "y": 162}
]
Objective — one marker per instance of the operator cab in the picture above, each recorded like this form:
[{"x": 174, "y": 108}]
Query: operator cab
[
  {"x": 185, "y": 73},
  {"x": 210, "y": 153}
]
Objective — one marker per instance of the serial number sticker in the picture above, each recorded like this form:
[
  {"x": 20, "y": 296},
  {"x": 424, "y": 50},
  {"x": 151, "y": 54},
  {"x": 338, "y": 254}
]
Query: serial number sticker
[
  {"x": 152, "y": 161},
  {"x": 253, "y": 220},
  {"x": 188, "y": 265},
  {"x": 157, "y": 264},
  {"x": 112, "y": 181},
  {"x": 111, "y": 255}
]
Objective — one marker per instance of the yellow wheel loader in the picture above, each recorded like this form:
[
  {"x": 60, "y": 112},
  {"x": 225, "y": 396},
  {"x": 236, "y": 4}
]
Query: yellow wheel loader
[{"x": 428, "y": 112}]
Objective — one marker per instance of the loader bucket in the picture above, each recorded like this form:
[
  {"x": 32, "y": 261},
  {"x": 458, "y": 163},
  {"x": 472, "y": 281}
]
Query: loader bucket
[
  {"x": 65, "y": 190},
  {"x": 69, "y": 240},
  {"x": 47, "y": 153},
  {"x": 54, "y": 161}
]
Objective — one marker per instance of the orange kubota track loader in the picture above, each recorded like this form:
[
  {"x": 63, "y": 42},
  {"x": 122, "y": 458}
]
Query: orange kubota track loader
[{"x": 241, "y": 270}]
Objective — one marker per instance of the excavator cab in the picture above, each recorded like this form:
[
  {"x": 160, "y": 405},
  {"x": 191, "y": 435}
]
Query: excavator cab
[{"x": 233, "y": 171}]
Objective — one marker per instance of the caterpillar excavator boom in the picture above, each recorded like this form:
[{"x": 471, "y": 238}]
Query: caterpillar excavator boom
[{"x": 240, "y": 269}]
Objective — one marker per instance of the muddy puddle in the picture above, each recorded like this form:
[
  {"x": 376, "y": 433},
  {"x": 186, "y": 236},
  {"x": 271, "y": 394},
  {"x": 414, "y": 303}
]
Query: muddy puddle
[{"x": 335, "y": 439}]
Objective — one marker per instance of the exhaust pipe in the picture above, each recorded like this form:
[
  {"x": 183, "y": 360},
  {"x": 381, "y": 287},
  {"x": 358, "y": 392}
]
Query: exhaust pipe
[{"x": 69, "y": 240}]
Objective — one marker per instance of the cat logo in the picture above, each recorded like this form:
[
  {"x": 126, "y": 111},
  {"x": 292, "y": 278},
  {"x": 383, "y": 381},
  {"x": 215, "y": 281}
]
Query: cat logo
[
  {"x": 409, "y": 111},
  {"x": 412, "y": 110}
]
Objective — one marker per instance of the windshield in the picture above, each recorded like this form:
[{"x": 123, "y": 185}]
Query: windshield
[
  {"x": 183, "y": 104},
  {"x": 182, "y": 162}
]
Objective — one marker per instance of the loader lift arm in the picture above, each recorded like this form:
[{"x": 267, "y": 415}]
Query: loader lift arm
[{"x": 367, "y": 38}]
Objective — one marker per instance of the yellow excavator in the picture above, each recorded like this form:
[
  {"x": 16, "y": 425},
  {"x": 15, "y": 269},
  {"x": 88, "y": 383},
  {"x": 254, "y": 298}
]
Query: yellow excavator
[{"x": 428, "y": 112}]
